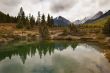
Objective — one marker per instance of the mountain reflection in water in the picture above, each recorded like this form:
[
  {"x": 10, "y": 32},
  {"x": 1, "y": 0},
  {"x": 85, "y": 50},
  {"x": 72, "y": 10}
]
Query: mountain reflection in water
[{"x": 53, "y": 57}]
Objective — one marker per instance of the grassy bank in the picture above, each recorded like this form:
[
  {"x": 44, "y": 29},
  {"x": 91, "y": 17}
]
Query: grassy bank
[{"x": 9, "y": 32}]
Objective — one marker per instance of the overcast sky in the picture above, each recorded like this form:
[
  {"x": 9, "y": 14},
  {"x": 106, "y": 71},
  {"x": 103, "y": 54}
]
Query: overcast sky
[{"x": 70, "y": 9}]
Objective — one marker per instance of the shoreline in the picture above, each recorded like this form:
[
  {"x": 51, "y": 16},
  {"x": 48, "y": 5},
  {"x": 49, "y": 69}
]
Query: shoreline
[
  {"x": 105, "y": 41},
  {"x": 9, "y": 32}
]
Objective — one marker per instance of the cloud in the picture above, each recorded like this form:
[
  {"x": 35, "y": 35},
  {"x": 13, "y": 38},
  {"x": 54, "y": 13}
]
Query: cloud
[
  {"x": 104, "y": 2},
  {"x": 10, "y": 2},
  {"x": 101, "y": 2},
  {"x": 70, "y": 9},
  {"x": 37, "y": 1},
  {"x": 62, "y": 5},
  {"x": 10, "y": 6}
]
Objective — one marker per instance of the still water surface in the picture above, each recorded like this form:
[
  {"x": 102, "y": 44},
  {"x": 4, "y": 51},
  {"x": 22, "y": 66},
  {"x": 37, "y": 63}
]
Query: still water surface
[{"x": 53, "y": 57}]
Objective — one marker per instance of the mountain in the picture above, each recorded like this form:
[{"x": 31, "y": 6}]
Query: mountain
[
  {"x": 89, "y": 19},
  {"x": 81, "y": 21},
  {"x": 77, "y": 22},
  {"x": 105, "y": 14},
  {"x": 100, "y": 13},
  {"x": 99, "y": 17},
  {"x": 61, "y": 21}
]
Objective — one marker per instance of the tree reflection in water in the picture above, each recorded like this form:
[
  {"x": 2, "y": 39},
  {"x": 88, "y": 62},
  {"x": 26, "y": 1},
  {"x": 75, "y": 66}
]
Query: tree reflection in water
[{"x": 43, "y": 47}]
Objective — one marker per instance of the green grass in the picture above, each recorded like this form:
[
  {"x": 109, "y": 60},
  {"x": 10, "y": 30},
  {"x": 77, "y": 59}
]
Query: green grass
[{"x": 96, "y": 26}]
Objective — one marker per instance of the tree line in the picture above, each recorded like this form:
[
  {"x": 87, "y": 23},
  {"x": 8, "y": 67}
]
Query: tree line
[
  {"x": 43, "y": 22},
  {"x": 24, "y": 21},
  {"x": 6, "y": 18},
  {"x": 28, "y": 22}
]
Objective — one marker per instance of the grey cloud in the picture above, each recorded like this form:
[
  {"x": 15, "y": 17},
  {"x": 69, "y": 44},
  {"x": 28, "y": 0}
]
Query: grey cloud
[
  {"x": 62, "y": 5},
  {"x": 10, "y": 6},
  {"x": 103, "y": 2},
  {"x": 76, "y": 8},
  {"x": 10, "y": 2},
  {"x": 36, "y": 1}
]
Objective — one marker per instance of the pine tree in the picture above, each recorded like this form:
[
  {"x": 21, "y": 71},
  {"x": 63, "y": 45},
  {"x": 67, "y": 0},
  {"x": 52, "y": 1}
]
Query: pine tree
[
  {"x": 28, "y": 26},
  {"x": 52, "y": 21},
  {"x": 38, "y": 19},
  {"x": 43, "y": 29},
  {"x": 21, "y": 19},
  {"x": 43, "y": 20},
  {"x": 32, "y": 21},
  {"x": 73, "y": 28},
  {"x": 7, "y": 18},
  {"x": 106, "y": 29},
  {"x": 48, "y": 20}
]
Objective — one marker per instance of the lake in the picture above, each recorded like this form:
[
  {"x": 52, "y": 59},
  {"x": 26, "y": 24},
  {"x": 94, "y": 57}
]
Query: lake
[{"x": 52, "y": 57}]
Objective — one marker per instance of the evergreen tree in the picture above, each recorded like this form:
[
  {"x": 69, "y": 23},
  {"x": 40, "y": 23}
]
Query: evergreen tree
[
  {"x": 52, "y": 21},
  {"x": 21, "y": 19},
  {"x": 43, "y": 29},
  {"x": 28, "y": 26},
  {"x": 43, "y": 20},
  {"x": 48, "y": 20},
  {"x": 6, "y": 18},
  {"x": 70, "y": 30},
  {"x": 2, "y": 17},
  {"x": 38, "y": 19},
  {"x": 106, "y": 29},
  {"x": 73, "y": 28},
  {"x": 32, "y": 21}
]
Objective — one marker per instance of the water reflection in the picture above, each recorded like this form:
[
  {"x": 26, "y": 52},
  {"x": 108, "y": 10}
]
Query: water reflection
[
  {"x": 54, "y": 57},
  {"x": 42, "y": 48}
]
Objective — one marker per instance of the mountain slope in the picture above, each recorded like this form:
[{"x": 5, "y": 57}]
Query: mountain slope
[
  {"x": 61, "y": 21},
  {"x": 100, "y": 13},
  {"x": 89, "y": 19},
  {"x": 100, "y": 17},
  {"x": 81, "y": 21},
  {"x": 98, "y": 23}
]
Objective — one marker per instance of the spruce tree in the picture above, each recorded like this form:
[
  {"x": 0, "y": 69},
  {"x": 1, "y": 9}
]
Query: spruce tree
[
  {"x": 28, "y": 26},
  {"x": 32, "y": 21},
  {"x": 52, "y": 21},
  {"x": 38, "y": 19},
  {"x": 6, "y": 18},
  {"x": 48, "y": 20},
  {"x": 21, "y": 19},
  {"x": 43, "y": 29},
  {"x": 106, "y": 29}
]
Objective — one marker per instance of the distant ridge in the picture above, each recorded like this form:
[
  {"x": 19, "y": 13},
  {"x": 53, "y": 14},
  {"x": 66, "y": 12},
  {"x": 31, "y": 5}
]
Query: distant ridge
[
  {"x": 100, "y": 17},
  {"x": 61, "y": 21},
  {"x": 89, "y": 19}
]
